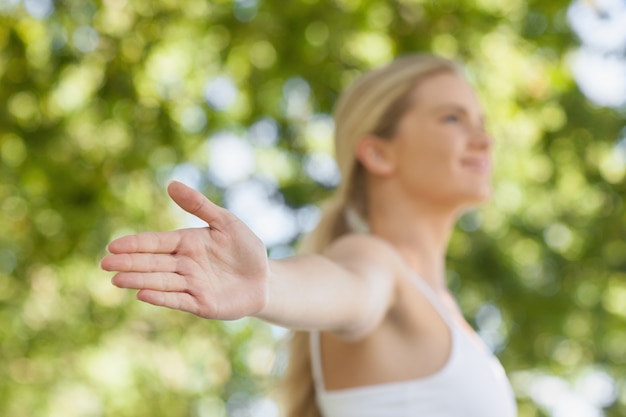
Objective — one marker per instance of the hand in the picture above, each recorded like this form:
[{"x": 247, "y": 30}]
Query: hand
[{"x": 216, "y": 272}]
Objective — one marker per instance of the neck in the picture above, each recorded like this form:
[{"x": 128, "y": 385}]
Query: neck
[{"x": 420, "y": 233}]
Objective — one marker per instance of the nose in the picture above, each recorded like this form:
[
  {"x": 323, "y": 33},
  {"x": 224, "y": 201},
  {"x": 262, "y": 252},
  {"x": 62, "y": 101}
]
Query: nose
[{"x": 481, "y": 139}]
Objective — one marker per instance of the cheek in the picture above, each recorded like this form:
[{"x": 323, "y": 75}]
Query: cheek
[
  {"x": 429, "y": 168},
  {"x": 431, "y": 151},
  {"x": 438, "y": 157}
]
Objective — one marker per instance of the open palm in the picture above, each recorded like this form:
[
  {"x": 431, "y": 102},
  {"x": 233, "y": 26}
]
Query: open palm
[{"x": 217, "y": 272}]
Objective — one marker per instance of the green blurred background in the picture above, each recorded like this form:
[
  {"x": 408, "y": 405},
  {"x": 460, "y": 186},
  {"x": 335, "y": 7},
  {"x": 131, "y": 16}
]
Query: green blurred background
[{"x": 102, "y": 103}]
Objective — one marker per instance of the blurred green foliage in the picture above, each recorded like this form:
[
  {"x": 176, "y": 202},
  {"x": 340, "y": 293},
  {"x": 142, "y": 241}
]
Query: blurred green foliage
[{"x": 102, "y": 102}]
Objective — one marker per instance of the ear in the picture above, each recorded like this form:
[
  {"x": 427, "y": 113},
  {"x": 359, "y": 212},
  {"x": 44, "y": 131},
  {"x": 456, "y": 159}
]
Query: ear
[{"x": 375, "y": 155}]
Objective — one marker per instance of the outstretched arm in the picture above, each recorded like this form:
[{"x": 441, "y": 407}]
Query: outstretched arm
[
  {"x": 222, "y": 272},
  {"x": 348, "y": 290}
]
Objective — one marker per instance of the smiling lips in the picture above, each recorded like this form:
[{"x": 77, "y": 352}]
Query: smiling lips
[{"x": 480, "y": 165}]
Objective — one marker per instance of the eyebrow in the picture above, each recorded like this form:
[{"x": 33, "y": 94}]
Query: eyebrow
[{"x": 459, "y": 108}]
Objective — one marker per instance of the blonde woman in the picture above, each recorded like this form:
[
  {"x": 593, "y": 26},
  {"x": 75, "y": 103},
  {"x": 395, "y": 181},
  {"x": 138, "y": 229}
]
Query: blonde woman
[{"x": 377, "y": 331}]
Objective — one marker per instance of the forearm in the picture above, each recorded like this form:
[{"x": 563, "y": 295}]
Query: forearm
[{"x": 314, "y": 292}]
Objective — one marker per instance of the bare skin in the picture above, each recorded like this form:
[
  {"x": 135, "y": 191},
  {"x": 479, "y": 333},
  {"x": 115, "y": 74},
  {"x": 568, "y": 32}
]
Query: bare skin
[
  {"x": 436, "y": 166},
  {"x": 377, "y": 326},
  {"x": 222, "y": 272}
]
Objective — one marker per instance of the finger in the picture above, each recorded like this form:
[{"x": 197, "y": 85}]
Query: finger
[
  {"x": 197, "y": 204},
  {"x": 175, "y": 300},
  {"x": 148, "y": 242},
  {"x": 158, "y": 281},
  {"x": 139, "y": 262}
]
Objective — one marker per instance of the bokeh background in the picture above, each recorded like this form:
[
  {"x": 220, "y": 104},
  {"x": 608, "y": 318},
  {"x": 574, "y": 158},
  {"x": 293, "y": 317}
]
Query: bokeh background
[{"x": 103, "y": 102}]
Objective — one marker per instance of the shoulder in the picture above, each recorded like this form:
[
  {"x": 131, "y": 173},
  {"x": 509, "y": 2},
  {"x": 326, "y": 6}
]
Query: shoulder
[
  {"x": 380, "y": 263},
  {"x": 366, "y": 254},
  {"x": 360, "y": 244},
  {"x": 377, "y": 266}
]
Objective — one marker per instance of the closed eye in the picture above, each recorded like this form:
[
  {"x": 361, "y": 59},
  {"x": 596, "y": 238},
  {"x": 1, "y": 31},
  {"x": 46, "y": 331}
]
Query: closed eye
[{"x": 451, "y": 118}]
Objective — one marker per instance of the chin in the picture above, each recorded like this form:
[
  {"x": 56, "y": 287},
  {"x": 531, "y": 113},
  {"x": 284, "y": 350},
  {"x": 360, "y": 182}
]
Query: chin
[{"x": 476, "y": 200}]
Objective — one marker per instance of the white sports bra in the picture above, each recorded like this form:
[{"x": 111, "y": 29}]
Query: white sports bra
[{"x": 472, "y": 383}]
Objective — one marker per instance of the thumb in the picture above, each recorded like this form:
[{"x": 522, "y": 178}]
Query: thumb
[{"x": 195, "y": 203}]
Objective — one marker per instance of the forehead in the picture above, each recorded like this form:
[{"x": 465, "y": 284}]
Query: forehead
[{"x": 445, "y": 89}]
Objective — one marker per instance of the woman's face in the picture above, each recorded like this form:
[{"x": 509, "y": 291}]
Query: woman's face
[{"x": 440, "y": 149}]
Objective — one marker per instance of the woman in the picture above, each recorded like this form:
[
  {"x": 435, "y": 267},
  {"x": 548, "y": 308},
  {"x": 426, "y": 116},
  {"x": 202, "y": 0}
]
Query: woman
[{"x": 378, "y": 333}]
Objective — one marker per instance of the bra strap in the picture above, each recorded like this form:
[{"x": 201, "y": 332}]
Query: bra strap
[
  {"x": 435, "y": 301},
  {"x": 316, "y": 360}
]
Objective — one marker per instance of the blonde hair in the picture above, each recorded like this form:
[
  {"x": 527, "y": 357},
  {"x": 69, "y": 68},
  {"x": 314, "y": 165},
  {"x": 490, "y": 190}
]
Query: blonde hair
[{"x": 372, "y": 105}]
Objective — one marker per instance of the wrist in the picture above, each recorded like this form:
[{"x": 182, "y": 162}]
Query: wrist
[{"x": 266, "y": 310}]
